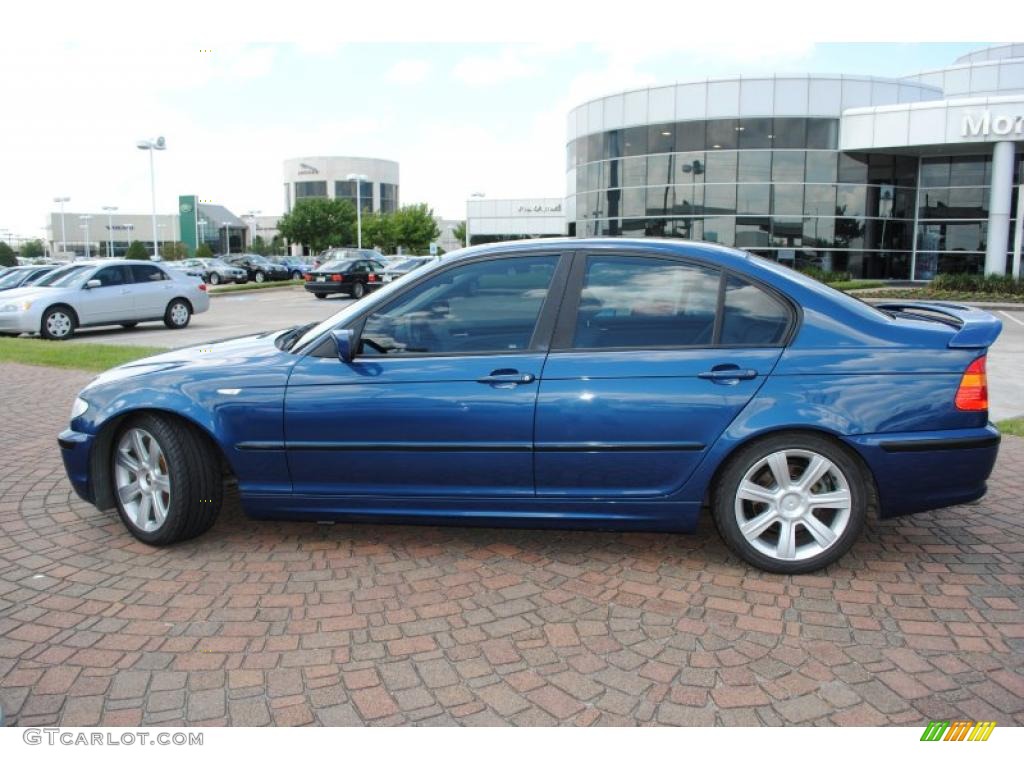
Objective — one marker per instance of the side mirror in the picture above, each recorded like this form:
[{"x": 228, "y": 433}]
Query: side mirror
[
  {"x": 345, "y": 339},
  {"x": 94, "y": 283}
]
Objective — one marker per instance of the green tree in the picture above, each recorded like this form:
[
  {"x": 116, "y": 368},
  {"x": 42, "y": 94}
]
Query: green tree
[
  {"x": 320, "y": 223},
  {"x": 415, "y": 228},
  {"x": 137, "y": 251},
  {"x": 7, "y": 257},
  {"x": 379, "y": 232},
  {"x": 260, "y": 246},
  {"x": 459, "y": 232},
  {"x": 33, "y": 249},
  {"x": 277, "y": 245},
  {"x": 173, "y": 251},
  {"x": 203, "y": 251}
]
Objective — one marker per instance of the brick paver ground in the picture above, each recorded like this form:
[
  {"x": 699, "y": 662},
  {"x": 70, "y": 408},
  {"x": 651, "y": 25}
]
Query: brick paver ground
[{"x": 295, "y": 624}]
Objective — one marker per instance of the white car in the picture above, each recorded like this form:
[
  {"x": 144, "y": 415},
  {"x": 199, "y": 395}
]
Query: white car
[{"x": 107, "y": 292}]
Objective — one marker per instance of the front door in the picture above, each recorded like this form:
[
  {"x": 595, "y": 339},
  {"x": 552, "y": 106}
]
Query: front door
[
  {"x": 111, "y": 300},
  {"x": 440, "y": 398},
  {"x": 647, "y": 372}
]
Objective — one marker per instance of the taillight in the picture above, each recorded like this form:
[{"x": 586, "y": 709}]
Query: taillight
[
  {"x": 335, "y": 278},
  {"x": 202, "y": 286},
  {"x": 307, "y": 277},
  {"x": 371, "y": 279},
  {"x": 972, "y": 394}
]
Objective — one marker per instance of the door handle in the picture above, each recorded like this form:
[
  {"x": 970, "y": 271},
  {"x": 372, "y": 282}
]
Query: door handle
[
  {"x": 507, "y": 376},
  {"x": 731, "y": 373}
]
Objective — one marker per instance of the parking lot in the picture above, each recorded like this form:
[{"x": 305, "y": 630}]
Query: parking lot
[{"x": 295, "y": 624}]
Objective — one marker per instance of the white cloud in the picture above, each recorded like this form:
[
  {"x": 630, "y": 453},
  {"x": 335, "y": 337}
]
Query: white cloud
[
  {"x": 409, "y": 71},
  {"x": 510, "y": 63}
]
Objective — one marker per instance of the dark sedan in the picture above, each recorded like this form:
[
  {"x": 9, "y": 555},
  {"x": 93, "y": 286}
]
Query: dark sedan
[
  {"x": 354, "y": 277},
  {"x": 259, "y": 268},
  {"x": 20, "y": 277}
]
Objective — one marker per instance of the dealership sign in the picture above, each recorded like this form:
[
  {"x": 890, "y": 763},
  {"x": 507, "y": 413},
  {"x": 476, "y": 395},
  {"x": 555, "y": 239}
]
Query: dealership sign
[
  {"x": 307, "y": 169},
  {"x": 540, "y": 208},
  {"x": 987, "y": 125}
]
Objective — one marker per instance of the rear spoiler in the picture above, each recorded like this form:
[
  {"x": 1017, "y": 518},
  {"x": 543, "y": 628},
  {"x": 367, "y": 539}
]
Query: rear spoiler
[{"x": 976, "y": 328}]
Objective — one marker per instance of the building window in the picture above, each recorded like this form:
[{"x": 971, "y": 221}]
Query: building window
[
  {"x": 346, "y": 190},
  {"x": 310, "y": 189},
  {"x": 388, "y": 198}
]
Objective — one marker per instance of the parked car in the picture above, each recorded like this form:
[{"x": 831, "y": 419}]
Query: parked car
[
  {"x": 16, "y": 277},
  {"x": 258, "y": 268},
  {"x": 298, "y": 267},
  {"x": 342, "y": 254},
  {"x": 402, "y": 267},
  {"x": 608, "y": 383},
  {"x": 188, "y": 266},
  {"x": 102, "y": 292},
  {"x": 215, "y": 271},
  {"x": 354, "y": 277}
]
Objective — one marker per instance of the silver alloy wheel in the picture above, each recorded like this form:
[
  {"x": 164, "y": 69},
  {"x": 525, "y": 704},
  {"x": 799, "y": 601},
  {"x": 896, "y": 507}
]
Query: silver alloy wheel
[
  {"x": 214, "y": 278},
  {"x": 58, "y": 324},
  {"x": 142, "y": 479},
  {"x": 259, "y": 277},
  {"x": 179, "y": 314},
  {"x": 793, "y": 504}
]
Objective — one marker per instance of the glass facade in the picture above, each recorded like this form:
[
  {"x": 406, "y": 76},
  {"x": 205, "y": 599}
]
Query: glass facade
[
  {"x": 310, "y": 189},
  {"x": 346, "y": 190},
  {"x": 388, "y": 197},
  {"x": 779, "y": 187}
]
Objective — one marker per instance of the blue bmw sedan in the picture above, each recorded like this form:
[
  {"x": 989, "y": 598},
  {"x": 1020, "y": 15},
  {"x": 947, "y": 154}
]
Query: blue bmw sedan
[{"x": 611, "y": 383}]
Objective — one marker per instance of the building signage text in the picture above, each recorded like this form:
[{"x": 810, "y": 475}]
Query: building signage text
[
  {"x": 540, "y": 208},
  {"x": 305, "y": 169},
  {"x": 986, "y": 124}
]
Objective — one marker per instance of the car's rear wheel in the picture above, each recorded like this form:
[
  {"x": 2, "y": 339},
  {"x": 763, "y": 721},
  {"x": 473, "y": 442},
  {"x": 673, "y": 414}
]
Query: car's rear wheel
[
  {"x": 320, "y": 295},
  {"x": 259, "y": 277},
  {"x": 214, "y": 279},
  {"x": 791, "y": 503},
  {"x": 178, "y": 314},
  {"x": 296, "y": 275},
  {"x": 167, "y": 484},
  {"x": 58, "y": 324},
  {"x": 358, "y": 290}
]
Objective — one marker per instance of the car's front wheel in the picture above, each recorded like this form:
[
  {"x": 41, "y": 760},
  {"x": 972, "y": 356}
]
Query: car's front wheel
[
  {"x": 791, "y": 503},
  {"x": 296, "y": 275},
  {"x": 214, "y": 279},
  {"x": 167, "y": 484},
  {"x": 178, "y": 314},
  {"x": 320, "y": 295},
  {"x": 259, "y": 277},
  {"x": 58, "y": 324}
]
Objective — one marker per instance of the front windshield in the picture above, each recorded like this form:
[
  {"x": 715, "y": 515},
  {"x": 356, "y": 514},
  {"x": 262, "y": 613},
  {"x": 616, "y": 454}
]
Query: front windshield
[
  {"x": 339, "y": 265},
  {"x": 66, "y": 277},
  {"x": 12, "y": 278}
]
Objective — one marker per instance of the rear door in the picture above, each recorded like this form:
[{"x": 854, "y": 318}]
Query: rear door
[
  {"x": 151, "y": 290},
  {"x": 653, "y": 357}
]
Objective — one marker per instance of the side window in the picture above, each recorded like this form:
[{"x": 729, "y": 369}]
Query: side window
[
  {"x": 488, "y": 306},
  {"x": 111, "y": 276},
  {"x": 376, "y": 267},
  {"x": 146, "y": 273},
  {"x": 752, "y": 317},
  {"x": 637, "y": 302}
]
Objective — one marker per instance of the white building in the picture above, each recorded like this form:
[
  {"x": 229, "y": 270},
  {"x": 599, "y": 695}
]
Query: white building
[
  {"x": 327, "y": 177},
  {"x": 488, "y": 221}
]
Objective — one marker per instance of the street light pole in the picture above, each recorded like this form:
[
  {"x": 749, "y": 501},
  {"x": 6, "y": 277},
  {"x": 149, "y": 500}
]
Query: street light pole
[
  {"x": 153, "y": 144},
  {"x": 84, "y": 218},
  {"x": 63, "y": 229},
  {"x": 110, "y": 228},
  {"x": 358, "y": 178}
]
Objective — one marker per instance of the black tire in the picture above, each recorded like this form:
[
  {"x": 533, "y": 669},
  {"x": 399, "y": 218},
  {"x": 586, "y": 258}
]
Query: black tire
[
  {"x": 259, "y": 277},
  {"x": 296, "y": 275},
  {"x": 320, "y": 295},
  {"x": 178, "y": 314},
  {"x": 128, "y": 326},
  {"x": 58, "y": 323},
  {"x": 358, "y": 290},
  {"x": 857, "y": 480},
  {"x": 214, "y": 279},
  {"x": 193, "y": 469}
]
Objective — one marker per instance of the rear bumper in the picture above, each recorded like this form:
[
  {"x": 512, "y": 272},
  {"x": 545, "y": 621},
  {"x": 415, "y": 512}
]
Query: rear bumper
[
  {"x": 916, "y": 471},
  {"x": 314, "y": 287},
  {"x": 76, "y": 450}
]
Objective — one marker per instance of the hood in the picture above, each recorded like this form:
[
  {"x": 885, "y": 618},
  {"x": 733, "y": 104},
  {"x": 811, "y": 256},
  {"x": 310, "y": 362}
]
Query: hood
[
  {"x": 244, "y": 355},
  {"x": 22, "y": 293}
]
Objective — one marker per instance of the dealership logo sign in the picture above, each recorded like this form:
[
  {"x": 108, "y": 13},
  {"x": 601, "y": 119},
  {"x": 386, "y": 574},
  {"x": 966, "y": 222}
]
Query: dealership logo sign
[
  {"x": 538, "y": 208},
  {"x": 128, "y": 227},
  {"x": 986, "y": 124},
  {"x": 305, "y": 169}
]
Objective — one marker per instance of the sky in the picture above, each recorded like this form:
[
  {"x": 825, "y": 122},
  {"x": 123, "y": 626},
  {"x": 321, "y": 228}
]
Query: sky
[{"x": 458, "y": 117}]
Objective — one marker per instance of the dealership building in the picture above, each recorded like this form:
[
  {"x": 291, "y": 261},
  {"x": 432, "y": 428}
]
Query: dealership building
[
  {"x": 328, "y": 177},
  {"x": 899, "y": 178}
]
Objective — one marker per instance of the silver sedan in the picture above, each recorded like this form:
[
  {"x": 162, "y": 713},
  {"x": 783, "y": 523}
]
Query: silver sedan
[{"x": 107, "y": 292}]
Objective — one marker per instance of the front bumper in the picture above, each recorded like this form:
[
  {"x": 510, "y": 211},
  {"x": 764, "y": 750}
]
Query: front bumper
[
  {"x": 919, "y": 471},
  {"x": 19, "y": 322},
  {"x": 76, "y": 451}
]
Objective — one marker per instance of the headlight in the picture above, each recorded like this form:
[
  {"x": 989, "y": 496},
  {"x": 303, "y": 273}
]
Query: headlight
[
  {"x": 78, "y": 408},
  {"x": 21, "y": 306}
]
